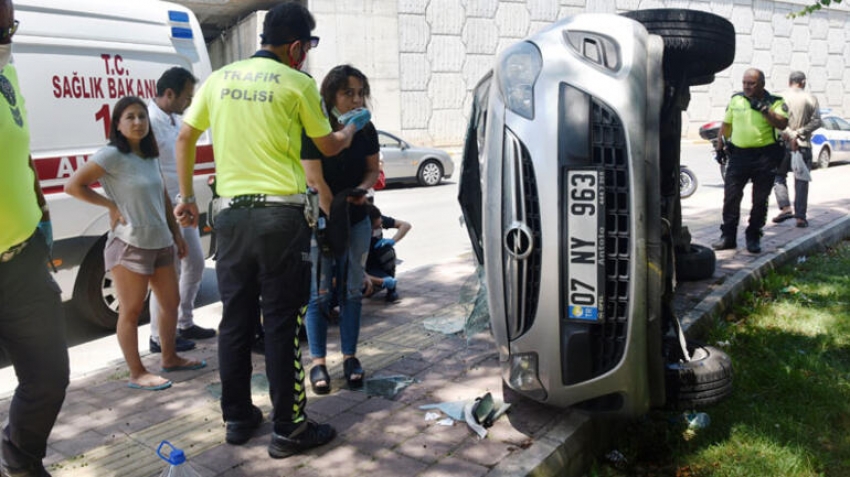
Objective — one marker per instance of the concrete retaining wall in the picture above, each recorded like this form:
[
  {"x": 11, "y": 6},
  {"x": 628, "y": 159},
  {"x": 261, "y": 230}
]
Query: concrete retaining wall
[{"x": 423, "y": 57}]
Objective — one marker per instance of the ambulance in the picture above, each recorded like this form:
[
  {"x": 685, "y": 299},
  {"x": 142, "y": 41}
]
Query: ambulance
[{"x": 75, "y": 60}]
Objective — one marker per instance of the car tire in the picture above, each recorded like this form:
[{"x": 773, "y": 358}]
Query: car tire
[
  {"x": 704, "y": 380},
  {"x": 697, "y": 44},
  {"x": 698, "y": 263},
  {"x": 430, "y": 173},
  {"x": 95, "y": 297},
  {"x": 823, "y": 158},
  {"x": 687, "y": 182}
]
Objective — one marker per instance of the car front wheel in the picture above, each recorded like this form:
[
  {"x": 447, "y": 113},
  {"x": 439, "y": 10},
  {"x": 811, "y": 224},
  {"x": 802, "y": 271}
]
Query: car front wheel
[
  {"x": 430, "y": 173},
  {"x": 823, "y": 158},
  {"x": 704, "y": 380}
]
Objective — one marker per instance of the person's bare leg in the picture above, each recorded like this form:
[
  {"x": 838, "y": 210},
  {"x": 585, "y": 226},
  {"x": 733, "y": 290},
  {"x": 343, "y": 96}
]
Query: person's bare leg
[
  {"x": 132, "y": 288},
  {"x": 164, "y": 285}
]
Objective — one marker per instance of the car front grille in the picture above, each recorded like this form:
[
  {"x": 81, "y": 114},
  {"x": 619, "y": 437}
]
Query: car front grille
[
  {"x": 591, "y": 348},
  {"x": 521, "y": 253}
]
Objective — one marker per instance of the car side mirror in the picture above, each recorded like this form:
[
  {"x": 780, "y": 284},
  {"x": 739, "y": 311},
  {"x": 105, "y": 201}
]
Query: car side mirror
[{"x": 404, "y": 146}]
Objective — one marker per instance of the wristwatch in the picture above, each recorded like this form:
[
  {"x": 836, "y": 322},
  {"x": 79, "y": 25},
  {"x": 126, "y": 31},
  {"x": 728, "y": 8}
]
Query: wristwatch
[{"x": 185, "y": 200}]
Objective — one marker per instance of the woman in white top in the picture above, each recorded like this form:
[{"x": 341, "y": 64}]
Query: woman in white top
[{"x": 140, "y": 248}]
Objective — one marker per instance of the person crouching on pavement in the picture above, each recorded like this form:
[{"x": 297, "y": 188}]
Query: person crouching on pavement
[
  {"x": 143, "y": 238},
  {"x": 381, "y": 262},
  {"x": 750, "y": 128}
]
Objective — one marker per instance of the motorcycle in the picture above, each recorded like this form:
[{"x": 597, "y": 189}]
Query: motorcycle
[
  {"x": 711, "y": 131},
  {"x": 687, "y": 182}
]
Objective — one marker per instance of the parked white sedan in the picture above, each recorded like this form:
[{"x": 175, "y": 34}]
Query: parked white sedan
[
  {"x": 404, "y": 162},
  {"x": 831, "y": 141}
]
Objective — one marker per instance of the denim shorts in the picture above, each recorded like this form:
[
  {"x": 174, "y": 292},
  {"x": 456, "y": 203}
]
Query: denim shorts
[{"x": 139, "y": 260}]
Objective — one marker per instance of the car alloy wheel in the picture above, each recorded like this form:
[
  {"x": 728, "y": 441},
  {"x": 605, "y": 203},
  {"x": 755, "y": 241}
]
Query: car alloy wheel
[{"x": 430, "y": 173}]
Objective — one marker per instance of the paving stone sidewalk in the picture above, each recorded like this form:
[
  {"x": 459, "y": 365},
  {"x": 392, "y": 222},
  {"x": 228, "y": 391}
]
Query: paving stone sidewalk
[{"x": 106, "y": 429}]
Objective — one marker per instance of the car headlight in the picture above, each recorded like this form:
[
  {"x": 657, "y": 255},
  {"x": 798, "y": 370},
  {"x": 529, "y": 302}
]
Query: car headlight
[
  {"x": 519, "y": 68},
  {"x": 525, "y": 377}
]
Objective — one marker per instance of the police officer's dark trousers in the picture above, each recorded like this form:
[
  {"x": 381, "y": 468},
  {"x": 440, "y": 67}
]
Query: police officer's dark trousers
[
  {"x": 756, "y": 165},
  {"x": 32, "y": 333},
  {"x": 263, "y": 264}
]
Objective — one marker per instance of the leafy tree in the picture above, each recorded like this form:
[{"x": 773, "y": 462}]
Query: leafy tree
[{"x": 818, "y": 5}]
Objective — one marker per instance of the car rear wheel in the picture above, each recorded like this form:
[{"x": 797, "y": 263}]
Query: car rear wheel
[
  {"x": 430, "y": 173},
  {"x": 704, "y": 380},
  {"x": 697, "y": 44},
  {"x": 823, "y": 158}
]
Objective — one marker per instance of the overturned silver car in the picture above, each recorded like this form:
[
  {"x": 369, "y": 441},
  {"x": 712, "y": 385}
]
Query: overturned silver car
[{"x": 570, "y": 196}]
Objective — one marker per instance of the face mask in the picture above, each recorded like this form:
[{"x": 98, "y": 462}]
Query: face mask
[
  {"x": 5, "y": 55},
  {"x": 336, "y": 112}
]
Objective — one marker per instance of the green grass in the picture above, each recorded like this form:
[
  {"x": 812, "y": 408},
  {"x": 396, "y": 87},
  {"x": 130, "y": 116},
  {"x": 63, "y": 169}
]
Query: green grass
[{"x": 789, "y": 414}]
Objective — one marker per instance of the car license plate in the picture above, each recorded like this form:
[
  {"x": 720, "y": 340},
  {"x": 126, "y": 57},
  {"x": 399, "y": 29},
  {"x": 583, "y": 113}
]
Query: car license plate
[{"x": 585, "y": 287}]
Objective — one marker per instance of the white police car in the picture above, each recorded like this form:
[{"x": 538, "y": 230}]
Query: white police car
[{"x": 831, "y": 142}]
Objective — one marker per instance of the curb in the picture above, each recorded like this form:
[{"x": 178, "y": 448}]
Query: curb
[
  {"x": 575, "y": 439},
  {"x": 724, "y": 296}
]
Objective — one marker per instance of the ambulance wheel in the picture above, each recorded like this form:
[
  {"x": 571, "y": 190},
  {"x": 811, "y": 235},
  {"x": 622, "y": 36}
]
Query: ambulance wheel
[{"x": 95, "y": 297}]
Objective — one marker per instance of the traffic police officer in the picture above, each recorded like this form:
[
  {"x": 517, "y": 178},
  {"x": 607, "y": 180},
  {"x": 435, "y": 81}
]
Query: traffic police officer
[
  {"x": 749, "y": 129},
  {"x": 32, "y": 325},
  {"x": 257, "y": 109}
]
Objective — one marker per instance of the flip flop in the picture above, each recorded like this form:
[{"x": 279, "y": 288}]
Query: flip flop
[
  {"x": 189, "y": 367},
  {"x": 158, "y": 387}
]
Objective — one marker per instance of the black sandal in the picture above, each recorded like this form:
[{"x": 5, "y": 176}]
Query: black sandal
[
  {"x": 318, "y": 374},
  {"x": 351, "y": 366}
]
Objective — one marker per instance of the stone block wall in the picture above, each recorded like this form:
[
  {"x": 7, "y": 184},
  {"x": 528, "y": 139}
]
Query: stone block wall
[
  {"x": 446, "y": 46},
  {"x": 424, "y": 57}
]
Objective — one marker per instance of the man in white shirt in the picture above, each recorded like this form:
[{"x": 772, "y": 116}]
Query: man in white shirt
[
  {"x": 804, "y": 118},
  {"x": 174, "y": 91}
]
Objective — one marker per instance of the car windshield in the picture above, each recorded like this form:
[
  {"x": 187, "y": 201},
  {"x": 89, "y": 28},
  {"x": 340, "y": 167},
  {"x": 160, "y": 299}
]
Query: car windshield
[
  {"x": 387, "y": 141},
  {"x": 841, "y": 124}
]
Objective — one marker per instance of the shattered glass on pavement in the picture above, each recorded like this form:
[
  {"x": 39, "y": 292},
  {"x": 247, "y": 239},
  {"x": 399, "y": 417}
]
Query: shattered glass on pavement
[{"x": 386, "y": 386}]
